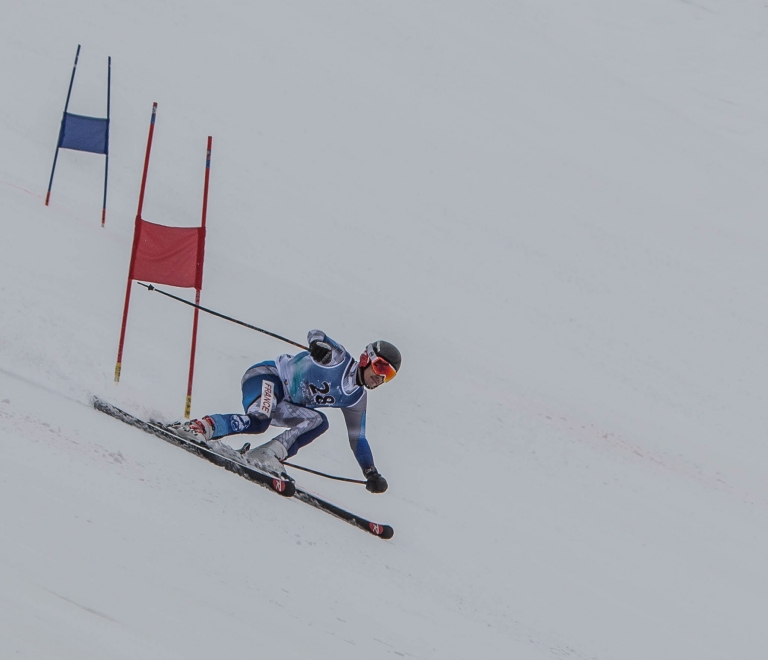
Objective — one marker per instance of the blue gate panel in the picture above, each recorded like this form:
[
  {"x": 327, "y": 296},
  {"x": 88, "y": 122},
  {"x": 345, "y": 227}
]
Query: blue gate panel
[{"x": 85, "y": 134}]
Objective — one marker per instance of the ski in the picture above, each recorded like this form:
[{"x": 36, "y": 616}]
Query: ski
[
  {"x": 377, "y": 529},
  {"x": 284, "y": 487}
]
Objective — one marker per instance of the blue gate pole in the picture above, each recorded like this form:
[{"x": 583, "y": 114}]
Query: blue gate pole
[
  {"x": 106, "y": 162},
  {"x": 61, "y": 130}
]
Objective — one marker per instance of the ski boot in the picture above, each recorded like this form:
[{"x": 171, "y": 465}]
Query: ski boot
[
  {"x": 268, "y": 457},
  {"x": 196, "y": 430}
]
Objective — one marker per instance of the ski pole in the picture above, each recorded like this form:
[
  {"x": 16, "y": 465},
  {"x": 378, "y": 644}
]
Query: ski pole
[
  {"x": 323, "y": 474},
  {"x": 222, "y": 316}
]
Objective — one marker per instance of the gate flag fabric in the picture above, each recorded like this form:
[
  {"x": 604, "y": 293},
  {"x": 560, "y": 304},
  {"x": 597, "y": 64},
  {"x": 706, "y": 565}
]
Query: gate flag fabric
[
  {"x": 167, "y": 255},
  {"x": 82, "y": 133}
]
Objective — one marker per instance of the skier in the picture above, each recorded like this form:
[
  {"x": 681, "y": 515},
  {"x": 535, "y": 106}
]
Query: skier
[{"x": 288, "y": 393}]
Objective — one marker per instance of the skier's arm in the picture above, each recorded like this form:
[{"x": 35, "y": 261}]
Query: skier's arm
[
  {"x": 354, "y": 416},
  {"x": 324, "y": 350}
]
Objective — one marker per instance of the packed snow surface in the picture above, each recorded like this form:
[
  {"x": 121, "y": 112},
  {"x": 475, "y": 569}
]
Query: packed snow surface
[{"x": 556, "y": 210}]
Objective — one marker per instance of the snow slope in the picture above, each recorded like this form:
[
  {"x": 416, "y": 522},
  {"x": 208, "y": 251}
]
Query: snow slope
[{"x": 557, "y": 212}]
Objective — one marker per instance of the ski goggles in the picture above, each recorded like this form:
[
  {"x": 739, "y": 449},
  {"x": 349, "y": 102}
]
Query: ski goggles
[{"x": 379, "y": 365}]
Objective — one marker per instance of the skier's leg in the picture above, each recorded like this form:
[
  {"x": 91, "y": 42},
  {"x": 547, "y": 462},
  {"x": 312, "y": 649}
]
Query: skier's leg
[
  {"x": 304, "y": 425},
  {"x": 260, "y": 383},
  {"x": 227, "y": 424},
  {"x": 262, "y": 392},
  {"x": 310, "y": 434}
]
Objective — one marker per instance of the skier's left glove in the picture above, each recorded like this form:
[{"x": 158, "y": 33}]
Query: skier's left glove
[
  {"x": 321, "y": 352},
  {"x": 375, "y": 483}
]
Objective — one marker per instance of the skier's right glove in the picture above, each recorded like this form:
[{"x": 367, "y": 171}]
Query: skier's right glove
[
  {"x": 320, "y": 351},
  {"x": 375, "y": 483}
]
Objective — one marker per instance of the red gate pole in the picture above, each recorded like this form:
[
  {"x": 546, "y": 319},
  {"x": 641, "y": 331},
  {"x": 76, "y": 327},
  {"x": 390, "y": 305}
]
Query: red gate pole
[
  {"x": 199, "y": 283},
  {"x": 136, "y": 236}
]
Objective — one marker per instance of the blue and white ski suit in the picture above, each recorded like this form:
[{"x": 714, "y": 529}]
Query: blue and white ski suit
[{"x": 288, "y": 393}]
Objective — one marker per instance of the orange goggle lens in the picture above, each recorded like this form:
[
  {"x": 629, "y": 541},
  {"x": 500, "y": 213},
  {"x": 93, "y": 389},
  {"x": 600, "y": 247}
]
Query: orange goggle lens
[{"x": 383, "y": 368}]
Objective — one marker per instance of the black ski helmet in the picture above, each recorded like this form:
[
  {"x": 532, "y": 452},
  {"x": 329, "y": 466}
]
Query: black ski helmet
[
  {"x": 382, "y": 349},
  {"x": 389, "y": 352}
]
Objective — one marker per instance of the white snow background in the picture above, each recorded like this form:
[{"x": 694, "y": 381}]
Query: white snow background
[{"x": 556, "y": 210}]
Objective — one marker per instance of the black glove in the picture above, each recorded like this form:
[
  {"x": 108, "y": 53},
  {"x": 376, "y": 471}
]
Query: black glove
[
  {"x": 375, "y": 482},
  {"x": 321, "y": 352}
]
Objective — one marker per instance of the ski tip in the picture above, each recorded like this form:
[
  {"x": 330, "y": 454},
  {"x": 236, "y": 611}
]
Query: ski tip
[{"x": 382, "y": 531}]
